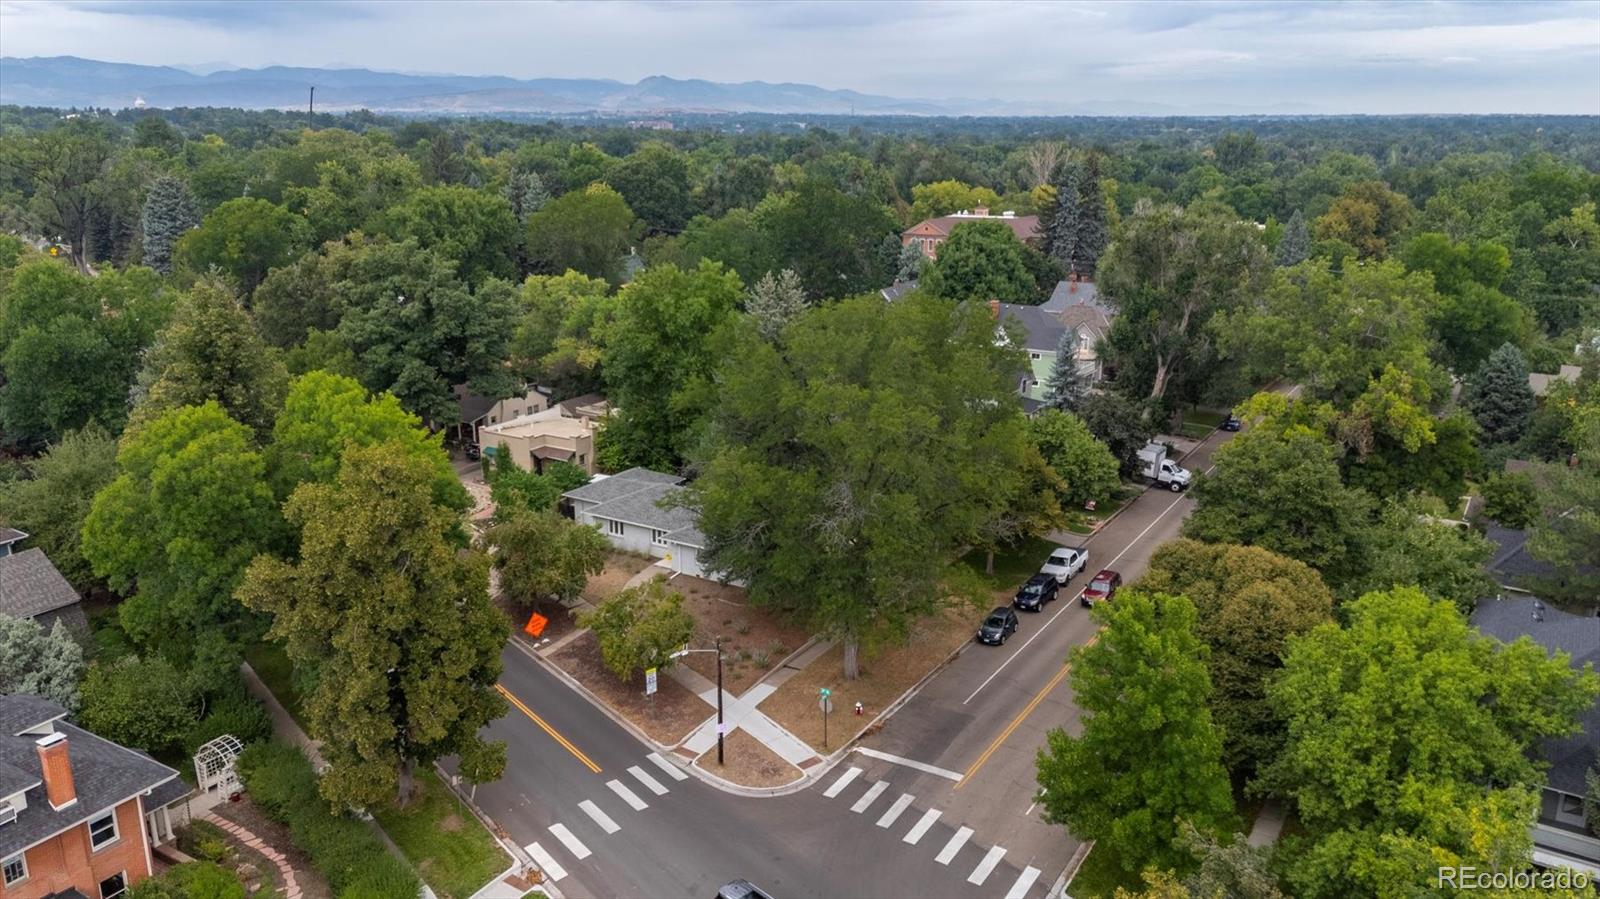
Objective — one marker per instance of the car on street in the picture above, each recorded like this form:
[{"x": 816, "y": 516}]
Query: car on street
[
  {"x": 1065, "y": 562},
  {"x": 741, "y": 889},
  {"x": 1232, "y": 423},
  {"x": 473, "y": 453},
  {"x": 998, "y": 627},
  {"x": 1039, "y": 589},
  {"x": 1103, "y": 587}
]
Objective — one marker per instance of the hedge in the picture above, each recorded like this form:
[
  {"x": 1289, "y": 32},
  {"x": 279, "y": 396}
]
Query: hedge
[{"x": 356, "y": 863}]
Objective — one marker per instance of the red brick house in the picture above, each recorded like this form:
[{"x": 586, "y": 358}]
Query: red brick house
[
  {"x": 76, "y": 811},
  {"x": 929, "y": 233}
]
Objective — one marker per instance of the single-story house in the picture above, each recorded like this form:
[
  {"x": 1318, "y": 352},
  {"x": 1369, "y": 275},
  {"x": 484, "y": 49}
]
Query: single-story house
[
  {"x": 1540, "y": 383},
  {"x": 477, "y": 410},
  {"x": 630, "y": 509},
  {"x": 1561, "y": 837},
  {"x": 31, "y": 587},
  {"x": 928, "y": 234}
]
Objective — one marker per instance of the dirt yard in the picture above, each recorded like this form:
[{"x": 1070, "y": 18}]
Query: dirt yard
[
  {"x": 884, "y": 676},
  {"x": 749, "y": 762},
  {"x": 666, "y": 717},
  {"x": 753, "y": 640},
  {"x": 620, "y": 567}
]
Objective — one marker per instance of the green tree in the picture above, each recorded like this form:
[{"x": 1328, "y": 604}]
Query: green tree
[
  {"x": 1509, "y": 500},
  {"x": 842, "y": 474},
  {"x": 735, "y": 184},
  {"x": 50, "y": 505},
  {"x": 1410, "y": 546},
  {"x": 1068, "y": 385},
  {"x": 1149, "y": 755},
  {"x": 299, "y": 298},
  {"x": 654, "y": 181},
  {"x": 168, "y": 213},
  {"x": 1295, "y": 246},
  {"x": 140, "y": 703},
  {"x": 1248, "y": 603},
  {"x": 1499, "y": 396},
  {"x": 1168, "y": 272},
  {"x": 1120, "y": 424},
  {"x": 1232, "y": 870},
  {"x": 587, "y": 230},
  {"x": 1093, "y": 232},
  {"x": 477, "y": 230},
  {"x": 1062, "y": 219},
  {"x": 945, "y": 197},
  {"x": 1568, "y": 536},
  {"x": 325, "y": 414},
  {"x": 64, "y": 165},
  {"x": 541, "y": 556},
  {"x": 1472, "y": 316},
  {"x": 1282, "y": 492},
  {"x": 40, "y": 662},
  {"x": 557, "y": 339},
  {"x": 982, "y": 260},
  {"x": 775, "y": 301},
  {"x": 397, "y": 628},
  {"x": 526, "y": 193},
  {"x": 828, "y": 237},
  {"x": 910, "y": 263},
  {"x": 243, "y": 239},
  {"x": 1088, "y": 470},
  {"x": 1407, "y": 730},
  {"x": 211, "y": 352},
  {"x": 732, "y": 240},
  {"x": 657, "y": 346},
  {"x": 188, "y": 509},
  {"x": 514, "y": 488},
  {"x": 1367, "y": 216},
  {"x": 639, "y": 627}
]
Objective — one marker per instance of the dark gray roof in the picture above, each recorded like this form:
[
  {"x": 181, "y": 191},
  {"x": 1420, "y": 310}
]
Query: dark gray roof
[
  {"x": 1041, "y": 330},
  {"x": 473, "y": 405},
  {"x": 167, "y": 794},
  {"x": 643, "y": 507},
  {"x": 602, "y": 490},
  {"x": 1086, "y": 294},
  {"x": 10, "y": 535},
  {"x": 23, "y": 711},
  {"x": 1555, "y": 630},
  {"x": 1510, "y": 564},
  {"x": 103, "y": 774},
  {"x": 30, "y": 585},
  {"x": 571, "y": 406},
  {"x": 897, "y": 290},
  {"x": 649, "y": 477},
  {"x": 15, "y": 780}
]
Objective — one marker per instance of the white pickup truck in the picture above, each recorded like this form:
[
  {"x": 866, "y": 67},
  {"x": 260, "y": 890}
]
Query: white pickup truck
[
  {"x": 1064, "y": 563},
  {"x": 1154, "y": 464}
]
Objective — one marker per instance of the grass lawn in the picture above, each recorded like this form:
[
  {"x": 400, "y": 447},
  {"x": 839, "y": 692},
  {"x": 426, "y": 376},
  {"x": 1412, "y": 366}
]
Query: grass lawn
[
  {"x": 1100, "y": 876},
  {"x": 1209, "y": 418},
  {"x": 446, "y": 842},
  {"x": 1013, "y": 564},
  {"x": 1196, "y": 430},
  {"x": 272, "y": 665}
]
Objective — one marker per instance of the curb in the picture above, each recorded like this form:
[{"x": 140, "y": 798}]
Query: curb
[
  {"x": 519, "y": 859},
  {"x": 594, "y": 700},
  {"x": 1058, "y": 890}
]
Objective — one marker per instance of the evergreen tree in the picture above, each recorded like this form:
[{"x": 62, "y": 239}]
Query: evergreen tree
[
  {"x": 1093, "y": 232},
  {"x": 168, "y": 212},
  {"x": 526, "y": 193},
  {"x": 1067, "y": 385},
  {"x": 43, "y": 663},
  {"x": 1061, "y": 231},
  {"x": 775, "y": 301},
  {"x": 909, "y": 265},
  {"x": 1295, "y": 244},
  {"x": 1499, "y": 396},
  {"x": 1149, "y": 755}
]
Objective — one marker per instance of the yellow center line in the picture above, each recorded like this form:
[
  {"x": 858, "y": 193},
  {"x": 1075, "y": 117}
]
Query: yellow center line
[
  {"x": 578, "y": 753},
  {"x": 1021, "y": 717}
]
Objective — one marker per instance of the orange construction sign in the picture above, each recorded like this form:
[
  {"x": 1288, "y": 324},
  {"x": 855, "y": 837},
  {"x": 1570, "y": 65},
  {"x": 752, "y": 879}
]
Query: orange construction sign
[{"x": 535, "y": 625}]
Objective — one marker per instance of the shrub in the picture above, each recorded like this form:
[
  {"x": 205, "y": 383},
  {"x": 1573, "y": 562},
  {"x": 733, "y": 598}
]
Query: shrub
[
  {"x": 235, "y": 712},
  {"x": 142, "y": 704},
  {"x": 204, "y": 880}
]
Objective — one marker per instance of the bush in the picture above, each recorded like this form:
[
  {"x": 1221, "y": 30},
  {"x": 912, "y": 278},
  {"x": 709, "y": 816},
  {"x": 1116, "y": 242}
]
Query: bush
[
  {"x": 346, "y": 851},
  {"x": 192, "y": 880},
  {"x": 1510, "y": 500},
  {"x": 142, "y": 704},
  {"x": 235, "y": 712}
]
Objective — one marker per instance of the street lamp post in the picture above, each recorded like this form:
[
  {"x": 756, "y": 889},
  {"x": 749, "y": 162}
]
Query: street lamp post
[{"x": 718, "y": 650}]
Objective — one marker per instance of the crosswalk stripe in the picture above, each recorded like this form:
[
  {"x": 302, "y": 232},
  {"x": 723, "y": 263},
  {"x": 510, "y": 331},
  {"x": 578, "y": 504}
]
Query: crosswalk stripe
[
  {"x": 843, "y": 781},
  {"x": 628, "y": 796},
  {"x": 649, "y": 782},
  {"x": 600, "y": 818},
  {"x": 926, "y": 821},
  {"x": 951, "y": 848},
  {"x": 573, "y": 844},
  {"x": 981, "y": 873},
  {"x": 895, "y": 810},
  {"x": 870, "y": 796},
  {"x": 1024, "y": 883},
  {"x": 552, "y": 871},
  {"x": 670, "y": 768}
]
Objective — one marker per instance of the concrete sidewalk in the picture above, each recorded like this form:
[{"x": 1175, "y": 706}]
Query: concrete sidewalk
[{"x": 739, "y": 712}]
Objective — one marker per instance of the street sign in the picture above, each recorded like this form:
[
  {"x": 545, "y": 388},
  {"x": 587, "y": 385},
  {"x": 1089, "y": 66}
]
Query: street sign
[
  {"x": 825, "y": 704},
  {"x": 650, "y": 682},
  {"x": 824, "y": 693},
  {"x": 722, "y": 728},
  {"x": 536, "y": 624}
]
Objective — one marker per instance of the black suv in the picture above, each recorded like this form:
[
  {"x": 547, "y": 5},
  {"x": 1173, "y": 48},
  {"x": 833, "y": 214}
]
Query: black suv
[
  {"x": 998, "y": 627},
  {"x": 1040, "y": 589}
]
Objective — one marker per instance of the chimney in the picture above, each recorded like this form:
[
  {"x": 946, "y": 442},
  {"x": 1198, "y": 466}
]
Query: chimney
[
  {"x": 980, "y": 210},
  {"x": 57, "y": 768},
  {"x": 994, "y": 309}
]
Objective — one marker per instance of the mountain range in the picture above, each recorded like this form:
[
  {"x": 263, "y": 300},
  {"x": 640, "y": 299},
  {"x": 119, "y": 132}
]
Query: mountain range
[{"x": 70, "y": 81}]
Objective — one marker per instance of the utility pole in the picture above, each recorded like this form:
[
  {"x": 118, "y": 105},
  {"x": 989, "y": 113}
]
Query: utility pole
[{"x": 311, "y": 108}]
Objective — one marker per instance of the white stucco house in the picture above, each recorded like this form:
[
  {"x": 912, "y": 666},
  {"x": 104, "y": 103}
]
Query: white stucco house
[{"x": 628, "y": 508}]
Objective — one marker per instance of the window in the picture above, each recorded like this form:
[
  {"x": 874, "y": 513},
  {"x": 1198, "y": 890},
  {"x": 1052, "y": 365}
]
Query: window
[
  {"x": 115, "y": 885},
  {"x": 103, "y": 830},
  {"x": 659, "y": 538},
  {"x": 615, "y": 527},
  {"x": 1035, "y": 356},
  {"x": 16, "y": 869}
]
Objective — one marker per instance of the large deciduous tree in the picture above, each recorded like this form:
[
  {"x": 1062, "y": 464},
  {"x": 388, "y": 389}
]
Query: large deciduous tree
[
  {"x": 243, "y": 239},
  {"x": 1409, "y": 744},
  {"x": 1120, "y": 424},
  {"x": 828, "y": 237},
  {"x": 477, "y": 230},
  {"x": 189, "y": 508},
  {"x": 1149, "y": 755},
  {"x": 843, "y": 473},
  {"x": 654, "y": 180},
  {"x": 1366, "y": 216},
  {"x": 1409, "y": 545},
  {"x": 1168, "y": 272},
  {"x": 948, "y": 196},
  {"x": 639, "y": 627},
  {"x": 65, "y": 165},
  {"x": 1568, "y": 536},
  {"x": 587, "y": 230},
  {"x": 541, "y": 556},
  {"x": 1472, "y": 317},
  {"x": 169, "y": 212},
  {"x": 1088, "y": 470},
  {"x": 982, "y": 260},
  {"x": 394, "y": 624},
  {"x": 51, "y": 503}
]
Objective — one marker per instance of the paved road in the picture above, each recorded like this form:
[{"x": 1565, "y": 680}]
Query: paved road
[{"x": 940, "y": 805}]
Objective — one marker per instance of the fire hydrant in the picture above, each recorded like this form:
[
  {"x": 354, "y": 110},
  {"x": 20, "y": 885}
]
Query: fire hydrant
[{"x": 858, "y": 708}]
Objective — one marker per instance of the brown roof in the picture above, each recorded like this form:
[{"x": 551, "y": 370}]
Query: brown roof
[{"x": 1026, "y": 227}]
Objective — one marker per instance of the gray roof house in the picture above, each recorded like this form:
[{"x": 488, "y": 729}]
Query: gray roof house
[
  {"x": 31, "y": 587},
  {"x": 633, "y": 509},
  {"x": 9, "y": 538},
  {"x": 1560, "y": 837}
]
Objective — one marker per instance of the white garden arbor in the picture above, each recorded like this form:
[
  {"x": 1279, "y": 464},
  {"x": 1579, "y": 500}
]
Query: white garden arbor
[{"x": 214, "y": 765}]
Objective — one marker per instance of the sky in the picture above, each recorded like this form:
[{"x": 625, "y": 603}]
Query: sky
[{"x": 1264, "y": 56}]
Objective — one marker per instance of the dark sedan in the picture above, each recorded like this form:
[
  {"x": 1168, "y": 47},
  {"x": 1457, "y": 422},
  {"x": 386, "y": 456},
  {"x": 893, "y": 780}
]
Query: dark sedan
[
  {"x": 998, "y": 627},
  {"x": 1040, "y": 589}
]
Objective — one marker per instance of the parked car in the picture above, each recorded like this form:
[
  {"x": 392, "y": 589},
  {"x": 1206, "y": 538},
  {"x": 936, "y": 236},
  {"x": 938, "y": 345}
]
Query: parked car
[
  {"x": 1232, "y": 423},
  {"x": 473, "y": 453},
  {"x": 1065, "y": 562},
  {"x": 998, "y": 627},
  {"x": 1103, "y": 587},
  {"x": 1040, "y": 589},
  {"x": 741, "y": 889},
  {"x": 1154, "y": 464}
]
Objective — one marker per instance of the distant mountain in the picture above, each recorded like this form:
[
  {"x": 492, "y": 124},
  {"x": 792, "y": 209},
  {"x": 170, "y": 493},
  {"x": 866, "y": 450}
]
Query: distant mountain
[{"x": 68, "y": 81}]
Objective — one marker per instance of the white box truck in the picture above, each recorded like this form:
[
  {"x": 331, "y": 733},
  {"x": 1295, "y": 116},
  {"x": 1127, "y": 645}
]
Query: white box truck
[{"x": 1154, "y": 464}]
